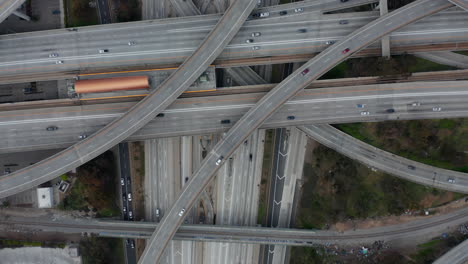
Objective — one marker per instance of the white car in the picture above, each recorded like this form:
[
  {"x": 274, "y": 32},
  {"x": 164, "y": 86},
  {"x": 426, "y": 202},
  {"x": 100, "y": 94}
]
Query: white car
[
  {"x": 256, "y": 34},
  {"x": 129, "y": 197},
  {"x": 416, "y": 104},
  {"x": 364, "y": 113},
  {"x": 53, "y": 55},
  {"x": 82, "y": 136},
  {"x": 219, "y": 160},
  {"x": 59, "y": 62},
  {"x": 249, "y": 41},
  {"x": 436, "y": 109},
  {"x": 131, "y": 43},
  {"x": 330, "y": 42},
  {"x": 122, "y": 181},
  {"x": 298, "y": 10},
  {"x": 181, "y": 213},
  {"x": 451, "y": 180},
  {"x": 265, "y": 14},
  {"x": 255, "y": 47},
  {"x": 103, "y": 51}
]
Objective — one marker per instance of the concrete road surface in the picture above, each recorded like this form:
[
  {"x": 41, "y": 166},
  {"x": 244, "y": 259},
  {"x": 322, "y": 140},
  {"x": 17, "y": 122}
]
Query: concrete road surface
[
  {"x": 457, "y": 255},
  {"x": 274, "y": 99}
]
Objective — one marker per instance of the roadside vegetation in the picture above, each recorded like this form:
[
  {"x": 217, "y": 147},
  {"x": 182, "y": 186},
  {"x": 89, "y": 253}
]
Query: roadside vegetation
[
  {"x": 94, "y": 188},
  {"x": 79, "y": 13},
  {"x": 266, "y": 172},
  {"x": 129, "y": 10},
  {"x": 10, "y": 243},
  {"x": 440, "y": 143},
  {"x": 100, "y": 250},
  {"x": 337, "y": 188}
]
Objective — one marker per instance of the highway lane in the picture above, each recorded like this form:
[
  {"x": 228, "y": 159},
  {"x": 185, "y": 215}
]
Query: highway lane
[
  {"x": 273, "y": 100},
  {"x": 7, "y": 7},
  {"x": 461, "y": 3},
  {"x": 25, "y": 130},
  {"x": 457, "y": 255},
  {"x": 387, "y": 162},
  {"x": 79, "y": 49},
  {"x": 446, "y": 58},
  {"x": 422, "y": 229},
  {"x": 185, "y": 8},
  {"x": 138, "y": 115}
]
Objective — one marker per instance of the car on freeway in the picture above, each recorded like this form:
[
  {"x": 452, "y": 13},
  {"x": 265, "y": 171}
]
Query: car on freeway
[
  {"x": 436, "y": 109},
  {"x": 302, "y": 30},
  {"x": 365, "y": 113},
  {"x": 130, "y": 215},
  {"x": 160, "y": 115},
  {"x": 103, "y": 51},
  {"x": 298, "y": 10},
  {"x": 265, "y": 14},
  {"x": 411, "y": 167},
  {"x": 51, "y": 128},
  {"x": 256, "y": 34},
  {"x": 226, "y": 121},
  {"x": 82, "y": 136},
  {"x": 451, "y": 180},
  {"x": 282, "y": 13},
  {"x": 132, "y": 243},
  {"x": 330, "y": 42},
  {"x": 344, "y": 1},
  {"x": 255, "y": 47},
  {"x": 390, "y": 110},
  {"x": 304, "y": 72},
  {"x": 259, "y": 2},
  {"x": 129, "y": 181},
  {"x": 124, "y": 197},
  {"x": 53, "y": 55},
  {"x": 124, "y": 209},
  {"x": 249, "y": 41},
  {"x": 345, "y": 51},
  {"x": 181, "y": 213},
  {"x": 416, "y": 104},
  {"x": 129, "y": 197},
  {"x": 131, "y": 43},
  {"x": 343, "y": 22},
  {"x": 291, "y": 117},
  {"x": 122, "y": 181},
  {"x": 360, "y": 105},
  {"x": 220, "y": 159},
  {"x": 6, "y": 171},
  {"x": 59, "y": 62}
]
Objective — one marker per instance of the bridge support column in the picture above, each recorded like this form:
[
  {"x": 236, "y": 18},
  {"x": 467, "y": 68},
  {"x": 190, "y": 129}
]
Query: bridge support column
[{"x": 386, "y": 39}]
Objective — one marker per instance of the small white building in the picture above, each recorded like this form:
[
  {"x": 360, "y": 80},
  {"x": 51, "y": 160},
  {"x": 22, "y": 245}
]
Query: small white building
[{"x": 45, "y": 197}]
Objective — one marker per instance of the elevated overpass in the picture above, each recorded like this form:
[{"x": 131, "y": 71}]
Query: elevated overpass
[
  {"x": 457, "y": 255},
  {"x": 461, "y": 3},
  {"x": 139, "y": 114},
  {"x": 26, "y": 56},
  {"x": 273, "y": 100},
  {"x": 25, "y": 130},
  {"x": 393, "y": 235},
  {"x": 7, "y": 7}
]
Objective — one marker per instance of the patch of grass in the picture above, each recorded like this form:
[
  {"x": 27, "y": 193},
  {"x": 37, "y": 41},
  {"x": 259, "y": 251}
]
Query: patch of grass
[
  {"x": 310, "y": 255},
  {"x": 337, "y": 188},
  {"x": 78, "y": 13},
  {"x": 64, "y": 177},
  {"x": 462, "y": 52},
  {"x": 266, "y": 171},
  {"x": 129, "y": 10},
  {"x": 101, "y": 250},
  {"x": 441, "y": 143},
  {"x": 430, "y": 251},
  {"x": 10, "y": 243},
  {"x": 339, "y": 71},
  {"x": 422, "y": 65}
]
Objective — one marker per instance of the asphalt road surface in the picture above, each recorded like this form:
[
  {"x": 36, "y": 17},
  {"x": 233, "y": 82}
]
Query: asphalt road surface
[
  {"x": 25, "y": 130},
  {"x": 273, "y": 100},
  {"x": 26, "y": 55},
  {"x": 8, "y": 6}
]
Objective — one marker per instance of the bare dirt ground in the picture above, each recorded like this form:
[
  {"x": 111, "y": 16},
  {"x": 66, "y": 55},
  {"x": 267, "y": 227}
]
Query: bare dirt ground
[
  {"x": 398, "y": 219},
  {"x": 137, "y": 172}
]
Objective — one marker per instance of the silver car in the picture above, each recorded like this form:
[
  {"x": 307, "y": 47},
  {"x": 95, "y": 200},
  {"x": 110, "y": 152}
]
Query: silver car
[
  {"x": 256, "y": 34},
  {"x": 364, "y": 113},
  {"x": 181, "y": 213}
]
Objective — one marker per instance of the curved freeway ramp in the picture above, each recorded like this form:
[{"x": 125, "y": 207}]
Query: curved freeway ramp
[
  {"x": 385, "y": 161},
  {"x": 7, "y": 7},
  {"x": 446, "y": 58},
  {"x": 310, "y": 71},
  {"x": 457, "y": 255},
  {"x": 461, "y": 3},
  {"x": 138, "y": 115}
]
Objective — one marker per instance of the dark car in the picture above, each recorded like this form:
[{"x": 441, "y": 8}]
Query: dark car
[
  {"x": 411, "y": 167},
  {"x": 391, "y": 110},
  {"x": 291, "y": 117},
  {"x": 345, "y": 51},
  {"x": 344, "y": 1},
  {"x": 226, "y": 121},
  {"x": 302, "y": 30},
  {"x": 282, "y": 13},
  {"x": 51, "y": 128},
  {"x": 160, "y": 115},
  {"x": 304, "y": 72},
  {"x": 343, "y": 22},
  {"x": 124, "y": 197}
]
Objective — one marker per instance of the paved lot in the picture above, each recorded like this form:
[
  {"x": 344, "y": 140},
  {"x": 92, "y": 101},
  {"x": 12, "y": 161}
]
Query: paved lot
[{"x": 37, "y": 255}]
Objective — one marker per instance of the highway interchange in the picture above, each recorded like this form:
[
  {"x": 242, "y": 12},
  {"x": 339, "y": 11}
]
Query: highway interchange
[{"x": 253, "y": 119}]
